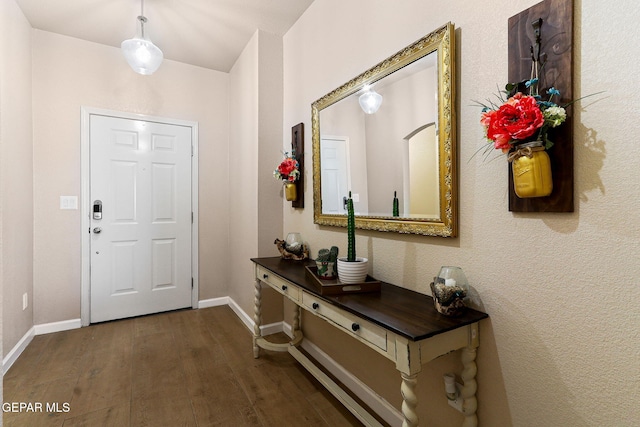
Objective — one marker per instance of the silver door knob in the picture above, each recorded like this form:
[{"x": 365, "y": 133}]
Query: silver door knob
[{"x": 97, "y": 230}]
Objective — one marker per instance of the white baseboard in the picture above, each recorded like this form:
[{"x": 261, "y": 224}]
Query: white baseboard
[
  {"x": 65, "y": 325},
  {"x": 45, "y": 328},
  {"x": 213, "y": 302},
  {"x": 269, "y": 329},
  {"x": 17, "y": 350}
]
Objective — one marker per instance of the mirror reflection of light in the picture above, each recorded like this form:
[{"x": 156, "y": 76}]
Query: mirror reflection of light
[{"x": 370, "y": 101}]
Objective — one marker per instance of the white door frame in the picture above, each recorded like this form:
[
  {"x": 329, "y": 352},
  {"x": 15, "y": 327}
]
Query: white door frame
[{"x": 85, "y": 202}]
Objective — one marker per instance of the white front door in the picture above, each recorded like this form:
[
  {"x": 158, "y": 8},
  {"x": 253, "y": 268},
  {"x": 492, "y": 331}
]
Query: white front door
[
  {"x": 334, "y": 174},
  {"x": 140, "y": 172}
]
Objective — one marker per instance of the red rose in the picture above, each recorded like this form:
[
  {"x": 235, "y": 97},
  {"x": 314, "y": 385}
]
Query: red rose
[
  {"x": 287, "y": 166},
  {"x": 519, "y": 118},
  {"x": 497, "y": 134}
]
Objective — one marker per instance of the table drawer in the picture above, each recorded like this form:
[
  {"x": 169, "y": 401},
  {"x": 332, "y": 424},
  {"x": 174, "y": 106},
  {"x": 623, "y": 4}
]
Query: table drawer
[
  {"x": 278, "y": 283},
  {"x": 351, "y": 324}
]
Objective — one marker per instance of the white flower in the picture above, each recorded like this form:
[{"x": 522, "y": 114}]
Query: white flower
[{"x": 554, "y": 116}]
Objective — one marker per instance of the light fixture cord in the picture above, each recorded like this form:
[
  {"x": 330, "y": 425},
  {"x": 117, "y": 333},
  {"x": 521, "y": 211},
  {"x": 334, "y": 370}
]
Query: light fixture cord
[{"x": 141, "y": 18}]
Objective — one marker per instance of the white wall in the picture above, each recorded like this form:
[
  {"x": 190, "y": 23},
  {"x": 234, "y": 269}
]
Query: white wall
[
  {"x": 561, "y": 345},
  {"x": 70, "y": 73},
  {"x": 16, "y": 175},
  {"x": 255, "y": 142}
]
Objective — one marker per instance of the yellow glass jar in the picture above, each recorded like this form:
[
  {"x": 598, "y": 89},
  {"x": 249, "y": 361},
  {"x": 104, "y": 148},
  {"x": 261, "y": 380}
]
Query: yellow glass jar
[
  {"x": 290, "y": 191},
  {"x": 531, "y": 170}
]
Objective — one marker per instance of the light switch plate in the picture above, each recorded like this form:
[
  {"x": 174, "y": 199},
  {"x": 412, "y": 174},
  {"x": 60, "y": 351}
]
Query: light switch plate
[{"x": 68, "y": 202}]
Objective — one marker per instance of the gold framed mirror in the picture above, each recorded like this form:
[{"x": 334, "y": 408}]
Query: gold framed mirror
[{"x": 399, "y": 160}]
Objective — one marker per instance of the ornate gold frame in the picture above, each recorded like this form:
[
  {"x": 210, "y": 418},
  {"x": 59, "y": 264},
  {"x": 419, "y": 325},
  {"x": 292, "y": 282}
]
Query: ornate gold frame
[{"x": 441, "y": 40}]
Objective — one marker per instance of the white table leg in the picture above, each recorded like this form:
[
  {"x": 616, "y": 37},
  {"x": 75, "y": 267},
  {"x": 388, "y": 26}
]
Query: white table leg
[
  {"x": 469, "y": 387},
  {"x": 257, "y": 317},
  {"x": 296, "y": 332},
  {"x": 409, "y": 400}
]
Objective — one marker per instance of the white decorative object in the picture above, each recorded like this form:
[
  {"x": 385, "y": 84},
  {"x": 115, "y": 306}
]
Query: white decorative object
[{"x": 354, "y": 271}]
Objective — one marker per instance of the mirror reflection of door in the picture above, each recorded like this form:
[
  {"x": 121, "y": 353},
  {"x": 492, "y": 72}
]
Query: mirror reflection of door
[
  {"x": 421, "y": 178},
  {"x": 334, "y": 173}
]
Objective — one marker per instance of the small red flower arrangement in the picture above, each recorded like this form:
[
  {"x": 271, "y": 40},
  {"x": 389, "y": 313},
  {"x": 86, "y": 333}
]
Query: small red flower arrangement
[
  {"x": 288, "y": 170},
  {"x": 522, "y": 118}
]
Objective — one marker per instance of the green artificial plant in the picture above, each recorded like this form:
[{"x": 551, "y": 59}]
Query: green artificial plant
[
  {"x": 328, "y": 255},
  {"x": 351, "y": 231}
]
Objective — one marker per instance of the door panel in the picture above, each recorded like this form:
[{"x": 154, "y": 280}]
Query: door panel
[
  {"x": 164, "y": 200},
  {"x": 124, "y": 190},
  {"x": 164, "y": 260},
  {"x": 123, "y": 267},
  {"x": 141, "y": 259}
]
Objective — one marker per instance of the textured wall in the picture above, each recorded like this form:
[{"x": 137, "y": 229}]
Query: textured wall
[
  {"x": 561, "y": 346},
  {"x": 16, "y": 174},
  {"x": 255, "y": 139}
]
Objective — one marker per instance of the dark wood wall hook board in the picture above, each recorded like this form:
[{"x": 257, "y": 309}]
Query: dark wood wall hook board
[
  {"x": 297, "y": 147},
  {"x": 541, "y": 38}
]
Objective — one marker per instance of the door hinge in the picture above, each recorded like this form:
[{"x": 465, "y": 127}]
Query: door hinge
[
  {"x": 192, "y": 283},
  {"x": 191, "y": 217}
]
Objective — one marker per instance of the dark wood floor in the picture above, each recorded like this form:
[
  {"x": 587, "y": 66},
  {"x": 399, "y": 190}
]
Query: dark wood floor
[{"x": 184, "y": 368}]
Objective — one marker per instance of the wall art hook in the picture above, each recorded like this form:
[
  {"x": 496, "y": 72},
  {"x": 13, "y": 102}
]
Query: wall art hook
[{"x": 535, "y": 50}]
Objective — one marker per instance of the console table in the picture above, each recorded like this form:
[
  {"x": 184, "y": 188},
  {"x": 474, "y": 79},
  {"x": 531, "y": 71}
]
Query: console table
[{"x": 398, "y": 323}]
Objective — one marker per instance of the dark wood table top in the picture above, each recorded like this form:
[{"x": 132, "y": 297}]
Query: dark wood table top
[{"x": 403, "y": 311}]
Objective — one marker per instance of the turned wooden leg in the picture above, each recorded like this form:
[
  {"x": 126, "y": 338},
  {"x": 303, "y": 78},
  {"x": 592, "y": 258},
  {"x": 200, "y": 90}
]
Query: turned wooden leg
[
  {"x": 257, "y": 316},
  {"x": 409, "y": 400},
  {"x": 296, "y": 320},
  {"x": 469, "y": 387}
]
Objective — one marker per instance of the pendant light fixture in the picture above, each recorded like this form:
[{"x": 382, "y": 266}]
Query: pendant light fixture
[
  {"x": 370, "y": 100},
  {"x": 141, "y": 54}
]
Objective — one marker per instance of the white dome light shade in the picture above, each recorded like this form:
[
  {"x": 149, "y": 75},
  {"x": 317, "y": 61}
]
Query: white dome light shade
[
  {"x": 370, "y": 101},
  {"x": 142, "y": 55}
]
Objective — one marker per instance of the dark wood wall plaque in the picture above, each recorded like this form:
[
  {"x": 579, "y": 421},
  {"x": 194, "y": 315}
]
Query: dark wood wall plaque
[
  {"x": 297, "y": 146},
  {"x": 556, "y": 34}
]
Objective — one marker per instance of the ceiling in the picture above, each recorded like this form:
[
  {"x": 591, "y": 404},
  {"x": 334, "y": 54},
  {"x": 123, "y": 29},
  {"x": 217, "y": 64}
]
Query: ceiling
[{"x": 206, "y": 33}]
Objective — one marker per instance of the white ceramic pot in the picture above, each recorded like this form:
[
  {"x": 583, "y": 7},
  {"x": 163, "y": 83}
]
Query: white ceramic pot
[{"x": 353, "y": 272}]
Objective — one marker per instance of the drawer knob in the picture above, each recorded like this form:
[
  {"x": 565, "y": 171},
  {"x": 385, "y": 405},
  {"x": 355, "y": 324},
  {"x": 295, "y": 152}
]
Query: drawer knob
[
  {"x": 315, "y": 305},
  {"x": 265, "y": 276},
  {"x": 355, "y": 327},
  {"x": 284, "y": 287}
]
